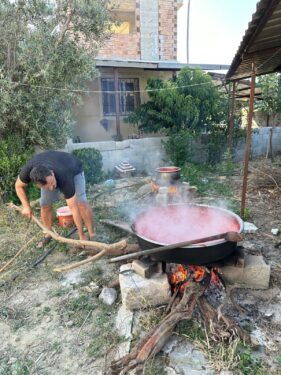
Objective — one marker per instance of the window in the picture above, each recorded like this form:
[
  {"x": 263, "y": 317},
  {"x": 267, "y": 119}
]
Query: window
[
  {"x": 124, "y": 22},
  {"x": 129, "y": 98}
]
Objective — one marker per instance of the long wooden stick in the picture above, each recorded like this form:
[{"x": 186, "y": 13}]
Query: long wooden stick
[
  {"x": 78, "y": 264},
  {"x": 229, "y": 236},
  {"x": 17, "y": 254},
  {"x": 97, "y": 245}
]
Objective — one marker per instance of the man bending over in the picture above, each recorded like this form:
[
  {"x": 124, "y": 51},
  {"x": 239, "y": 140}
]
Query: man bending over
[{"x": 55, "y": 172}]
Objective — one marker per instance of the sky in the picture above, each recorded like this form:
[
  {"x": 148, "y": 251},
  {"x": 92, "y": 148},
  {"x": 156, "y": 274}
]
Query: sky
[{"x": 216, "y": 29}]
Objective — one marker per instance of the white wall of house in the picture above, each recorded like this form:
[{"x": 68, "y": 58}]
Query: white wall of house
[
  {"x": 146, "y": 154},
  {"x": 90, "y": 115}
]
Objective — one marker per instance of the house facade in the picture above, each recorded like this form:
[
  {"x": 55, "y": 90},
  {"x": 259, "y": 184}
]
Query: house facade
[{"x": 143, "y": 45}]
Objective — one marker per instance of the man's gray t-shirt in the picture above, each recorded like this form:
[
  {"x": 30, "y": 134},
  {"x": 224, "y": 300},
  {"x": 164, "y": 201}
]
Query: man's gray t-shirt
[{"x": 64, "y": 165}]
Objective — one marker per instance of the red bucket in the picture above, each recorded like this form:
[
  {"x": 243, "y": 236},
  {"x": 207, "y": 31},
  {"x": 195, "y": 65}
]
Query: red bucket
[{"x": 65, "y": 217}]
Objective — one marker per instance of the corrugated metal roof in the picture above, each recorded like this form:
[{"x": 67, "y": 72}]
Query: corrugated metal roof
[{"x": 261, "y": 43}]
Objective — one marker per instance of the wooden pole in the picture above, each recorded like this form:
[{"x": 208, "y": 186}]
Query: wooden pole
[
  {"x": 228, "y": 236},
  {"x": 248, "y": 140},
  {"x": 117, "y": 103},
  {"x": 231, "y": 119},
  {"x": 187, "y": 31}
]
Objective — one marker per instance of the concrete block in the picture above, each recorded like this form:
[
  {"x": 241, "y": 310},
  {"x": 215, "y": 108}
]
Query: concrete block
[
  {"x": 146, "y": 267},
  {"x": 122, "y": 145},
  {"x": 139, "y": 293},
  {"x": 254, "y": 275},
  {"x": 105, "y": 146}
]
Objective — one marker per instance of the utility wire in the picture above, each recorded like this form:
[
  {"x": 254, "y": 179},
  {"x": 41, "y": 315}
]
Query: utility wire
[{"x": 113, "y": 91}]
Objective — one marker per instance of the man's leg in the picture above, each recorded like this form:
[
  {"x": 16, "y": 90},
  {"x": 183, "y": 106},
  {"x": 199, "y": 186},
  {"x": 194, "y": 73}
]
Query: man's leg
[
  {"x": 84, "y": 208},
  {"x": 87, "y": 217},
  {"x": 47, "y": 214}
]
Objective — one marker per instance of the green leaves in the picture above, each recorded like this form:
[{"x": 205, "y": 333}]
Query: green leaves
[
  {"x": 42, "y": 60},
  {"x": 188, "y": 101},
  {"x": 91, "y": 160},
  {"x": 270, "y": 86}
]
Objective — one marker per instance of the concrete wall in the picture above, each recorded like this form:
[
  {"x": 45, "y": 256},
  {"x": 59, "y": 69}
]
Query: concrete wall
[
  {"x": 149, "y": 30},
  {"x": 146, "y": 154},
  {"x": 259, "y": 143}
]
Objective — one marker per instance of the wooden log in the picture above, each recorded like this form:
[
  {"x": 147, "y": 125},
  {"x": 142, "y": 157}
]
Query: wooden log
[
  {"x": 213, "y": 317},
  {"x": 130, "y": 248},
  {"x": 93, "y": 244},
  {"x": 152, "y": 343},
  {"x": 79, "y": 264}
]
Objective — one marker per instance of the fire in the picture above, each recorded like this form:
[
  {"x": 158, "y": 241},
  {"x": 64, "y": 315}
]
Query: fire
[
  {"x": 183, "y": 274},
  {"x": 154, "y": 187},
  {"x": 172, "y": 189}
]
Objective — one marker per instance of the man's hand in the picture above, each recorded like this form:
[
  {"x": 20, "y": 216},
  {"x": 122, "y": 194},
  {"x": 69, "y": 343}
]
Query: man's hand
[{"x": 27, "y": 212}]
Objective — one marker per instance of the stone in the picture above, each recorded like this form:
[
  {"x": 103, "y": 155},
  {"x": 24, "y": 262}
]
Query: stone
[
  {"x": 184, "y": 358},
  {"x": 108, "y": 296},
  {"x": 255, "y": 274},
  {"x": 139, "y": 293},
  {"x": 124, "y": 325}
]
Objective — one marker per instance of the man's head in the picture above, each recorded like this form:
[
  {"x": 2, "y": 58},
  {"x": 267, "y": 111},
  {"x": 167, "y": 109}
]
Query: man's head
[{"x": 43, "y": 177}]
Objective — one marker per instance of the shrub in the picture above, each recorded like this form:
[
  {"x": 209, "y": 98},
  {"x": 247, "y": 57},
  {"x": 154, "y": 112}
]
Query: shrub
[
  {"x": 13, "y": 155},
  {"x": 91, "y": 160},
  {"x": 179, "y": 147}
]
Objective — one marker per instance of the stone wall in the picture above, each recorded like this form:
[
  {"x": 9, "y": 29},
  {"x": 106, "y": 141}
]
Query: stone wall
[{"x": 146, "y": 154}]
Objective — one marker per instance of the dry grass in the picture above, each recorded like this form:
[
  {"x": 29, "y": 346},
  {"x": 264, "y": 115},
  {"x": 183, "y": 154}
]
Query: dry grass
[{"x": 265, "y": 175}]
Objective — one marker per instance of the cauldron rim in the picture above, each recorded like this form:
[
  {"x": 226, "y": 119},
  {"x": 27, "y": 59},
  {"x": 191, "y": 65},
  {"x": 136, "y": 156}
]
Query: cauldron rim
[{"x": 200, "y": 245}]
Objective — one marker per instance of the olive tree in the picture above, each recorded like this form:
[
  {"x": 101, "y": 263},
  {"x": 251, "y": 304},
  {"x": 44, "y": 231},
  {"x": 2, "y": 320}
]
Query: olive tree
[{"x": 46, "y": 57}]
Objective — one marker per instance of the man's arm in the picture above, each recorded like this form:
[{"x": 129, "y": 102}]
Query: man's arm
[
  {"x": 20, "y": 190},
  {"x": 72, "y": 204}
]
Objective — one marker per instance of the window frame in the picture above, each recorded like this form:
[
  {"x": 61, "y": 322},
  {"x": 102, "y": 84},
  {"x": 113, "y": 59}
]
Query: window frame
[{"x": 125, "y": 96}]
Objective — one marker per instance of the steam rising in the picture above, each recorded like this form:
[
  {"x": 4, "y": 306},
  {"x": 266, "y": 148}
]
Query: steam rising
[{"x": 178, "y": 223}]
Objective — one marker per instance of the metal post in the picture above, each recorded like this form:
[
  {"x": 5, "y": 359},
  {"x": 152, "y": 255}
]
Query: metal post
[
  {"x": 231, "y": 119},
  {"x": 117, "y": 106},
  {"x": 248, "y": 139},
  {"x": 187, "y": 32}
]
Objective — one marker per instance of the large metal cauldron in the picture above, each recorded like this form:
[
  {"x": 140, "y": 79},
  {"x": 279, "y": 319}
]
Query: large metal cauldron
[{"x": 159, "y": 226}]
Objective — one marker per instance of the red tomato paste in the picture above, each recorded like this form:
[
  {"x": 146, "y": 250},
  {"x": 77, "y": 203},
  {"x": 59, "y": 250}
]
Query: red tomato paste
[{"x": 178, "y": 223}]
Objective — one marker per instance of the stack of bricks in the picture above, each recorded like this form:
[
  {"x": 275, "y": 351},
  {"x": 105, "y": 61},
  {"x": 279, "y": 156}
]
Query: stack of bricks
[
  {"x": 167, "y": 29},
  {"x": 128, "y": 46},
  {"x": 124, "y": 45}
]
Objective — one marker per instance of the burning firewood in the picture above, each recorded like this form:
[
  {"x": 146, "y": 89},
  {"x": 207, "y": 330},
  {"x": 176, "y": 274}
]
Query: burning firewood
[
  {"x": 153, "y": 342},
  {"x": 190, "y": 283}
]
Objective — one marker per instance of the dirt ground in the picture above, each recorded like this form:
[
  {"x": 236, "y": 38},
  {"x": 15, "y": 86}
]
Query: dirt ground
[{"x": 54, "y": 323}]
